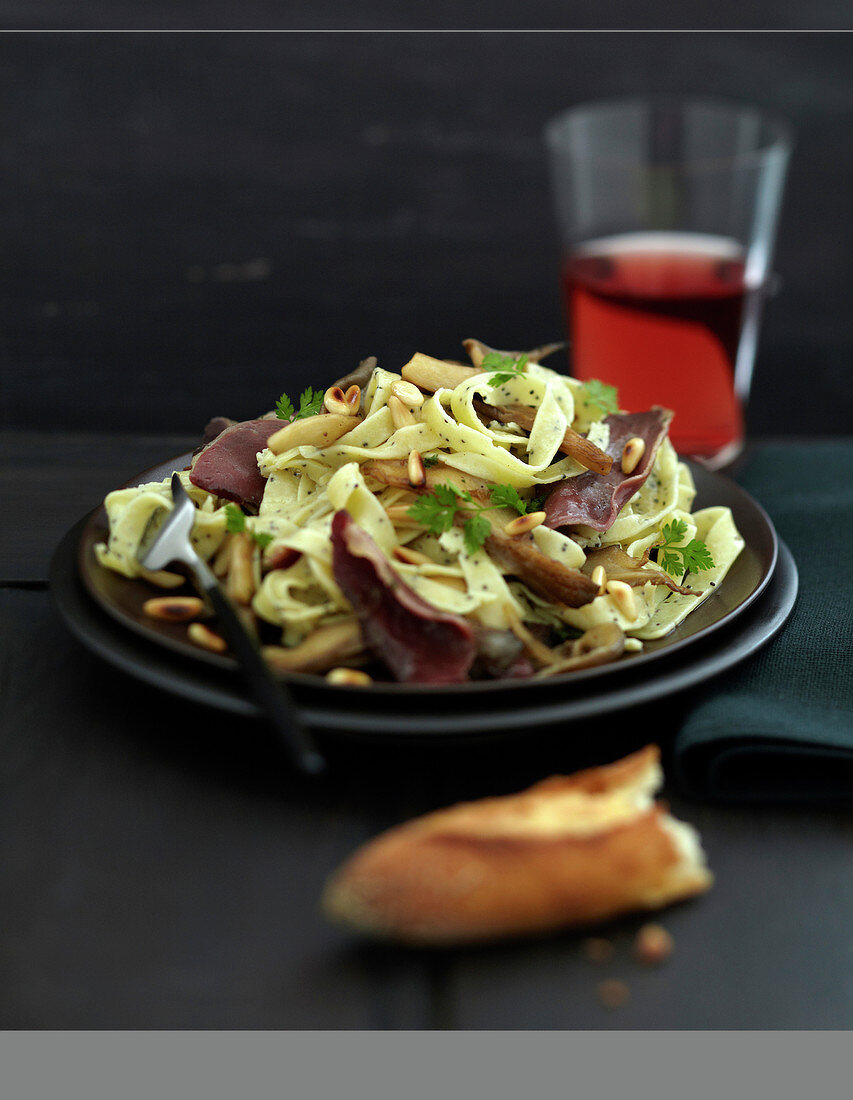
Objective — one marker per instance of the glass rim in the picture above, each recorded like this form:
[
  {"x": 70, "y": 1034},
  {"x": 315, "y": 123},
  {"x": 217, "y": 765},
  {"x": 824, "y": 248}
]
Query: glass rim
[{"x": 779, "y": 133}]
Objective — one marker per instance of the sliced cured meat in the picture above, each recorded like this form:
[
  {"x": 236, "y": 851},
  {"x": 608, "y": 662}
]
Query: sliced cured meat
[
  {"x": 415, "y": 640},
  {"x": 228, "y": 467},
  {"x": 594, "y": 500}
]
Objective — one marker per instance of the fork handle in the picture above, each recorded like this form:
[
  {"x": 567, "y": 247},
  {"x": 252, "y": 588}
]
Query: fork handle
[{"x": 274, "y": 697}]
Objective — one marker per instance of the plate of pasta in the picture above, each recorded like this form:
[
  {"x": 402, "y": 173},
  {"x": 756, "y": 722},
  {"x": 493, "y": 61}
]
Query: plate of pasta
[{"x": 451, "y": 528}]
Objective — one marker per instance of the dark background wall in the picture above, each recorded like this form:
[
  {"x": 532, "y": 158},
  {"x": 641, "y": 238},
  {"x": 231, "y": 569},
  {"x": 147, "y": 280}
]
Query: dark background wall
[{"x": 192, "y": 223}]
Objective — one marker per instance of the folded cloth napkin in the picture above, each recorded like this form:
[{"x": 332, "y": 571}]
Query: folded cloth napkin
[{"x": 780, "y": 726}]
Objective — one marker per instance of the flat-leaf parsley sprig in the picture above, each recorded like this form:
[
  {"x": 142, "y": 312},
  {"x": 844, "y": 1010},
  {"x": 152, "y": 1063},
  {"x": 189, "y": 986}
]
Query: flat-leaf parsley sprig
[
  {"x": 694, "y": 557},
  {"x": 604, "y": 397},
  {"x": 235, "y": 524},
  {"x": 310, "y": 403},
  {"x": 438, "y": 509},
  {"x": 503, "y": 368}
]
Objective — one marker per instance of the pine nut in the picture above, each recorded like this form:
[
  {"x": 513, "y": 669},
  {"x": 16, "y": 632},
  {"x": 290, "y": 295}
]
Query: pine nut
[
  {"x": 348, "y": 677},
  {"x": 653, "y": 944},
  {"x": 599, "y": 577},
  {"x": 400, "y": 413},
  {"x": 161, "y": 578},
  {"x": 417, "y": 473},
  {"x": 408, "y": 556},
  {"x": 335, "y": 401},
  {"x": 408, "y": 393},
  {"x": 598, "y": 949},
  {"x": 613, "y": 993},
  {"x": 353, "y": 399},
  {"x": 632, "y": 452},
  {"x": 205, "y": 637},
  {"x": 174, "y": 609},
  {"x": 623, "y": 597},
  {"x": 399, "y": 515},
  {"x": 521, "y": 525}
]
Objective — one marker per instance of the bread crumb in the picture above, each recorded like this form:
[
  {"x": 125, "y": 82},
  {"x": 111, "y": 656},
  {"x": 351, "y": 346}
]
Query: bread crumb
[
  {"x": 612, "y": 993},
  {"x": 653, "y": 944},
  {"x": 598, "y": 949}
]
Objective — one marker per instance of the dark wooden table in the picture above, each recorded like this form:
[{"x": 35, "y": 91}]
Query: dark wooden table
[{"x": 160, "y": 868}]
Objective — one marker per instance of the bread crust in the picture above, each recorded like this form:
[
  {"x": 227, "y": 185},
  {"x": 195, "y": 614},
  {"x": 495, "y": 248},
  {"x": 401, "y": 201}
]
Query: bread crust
[{"x": 569, "y": 851}]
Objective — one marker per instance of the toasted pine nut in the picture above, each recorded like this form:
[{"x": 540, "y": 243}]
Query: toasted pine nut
[
  {"x": 205, "y": 637},
  {"x": 349, "y": 677},
  {"x": 653, "y": 944},
  {"x": 599, "y": 577},
  {"x": 353, "y": 399},
  {"x": 632, "y": 452},
  {"x": 411, "y": 557},
  {"x": 623, "y": 597},
  {"x": 408, "y": 393},
  {"x": 598, "y": 949},
  {"x": 417, "y": 473},
  {"x": 335, "y": 401},
  {"x": 522, "y": 524},
  {"x": 174, "y": 609},
  {"x": 400, "y": 413},
  {"x": 399, "y": 515},
  {"x": 162, "y": 578},
  {"x": 613, "y": 993}
]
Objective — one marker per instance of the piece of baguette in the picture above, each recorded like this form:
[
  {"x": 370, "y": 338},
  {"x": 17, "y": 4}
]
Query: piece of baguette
[{"x": 571, "y": 850}]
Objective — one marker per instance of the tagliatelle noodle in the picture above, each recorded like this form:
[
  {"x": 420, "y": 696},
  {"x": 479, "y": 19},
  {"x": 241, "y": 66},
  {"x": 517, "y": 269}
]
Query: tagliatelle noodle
[
  {"x": 486, "y": 583},
  {"x": 484, "y": 452},
  {"x": 129, "y": 511},
  {"x": 716, "y": 528}
]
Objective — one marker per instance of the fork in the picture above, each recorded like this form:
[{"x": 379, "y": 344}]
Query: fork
[{"x": 171, "y": 544}]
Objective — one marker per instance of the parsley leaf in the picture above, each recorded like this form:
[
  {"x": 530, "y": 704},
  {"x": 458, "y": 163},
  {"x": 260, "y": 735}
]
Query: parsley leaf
[
  {"x": 503, "y": 368},
  {"x": 694, "y": 557},
  {"x": 429, "y": 460},
  {"x": 506, "y": 496},
  {"x": 438, "y": 510},
  {"x": 477, "y": 529},
  {"x": 310, "y": 403},
  {"x": 235, "y": 524},
  {"x": 604, "y": 397},
  {"x": 262, "y": 538},
  {"x": 235, "y": 520}
]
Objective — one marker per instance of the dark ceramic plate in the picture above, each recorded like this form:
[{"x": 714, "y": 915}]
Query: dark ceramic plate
[
  {"x": 161, "y": 654},
  {"x": 433, "y": 714}
]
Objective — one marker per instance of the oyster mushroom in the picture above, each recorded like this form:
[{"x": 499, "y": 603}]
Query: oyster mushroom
[
  {"x": 325, "y": 648},
  {"x": 599, "y": 645}
]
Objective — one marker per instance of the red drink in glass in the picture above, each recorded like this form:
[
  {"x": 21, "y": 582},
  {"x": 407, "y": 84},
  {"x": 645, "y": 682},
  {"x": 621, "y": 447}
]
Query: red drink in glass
[{"x": 660, "y": 316}]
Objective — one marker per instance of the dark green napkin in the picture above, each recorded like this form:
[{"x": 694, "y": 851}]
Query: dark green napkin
[{"x": 780, "y": 726}]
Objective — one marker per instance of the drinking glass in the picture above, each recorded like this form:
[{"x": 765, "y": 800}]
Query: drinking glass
[{"x": 667, "y": 210}]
